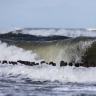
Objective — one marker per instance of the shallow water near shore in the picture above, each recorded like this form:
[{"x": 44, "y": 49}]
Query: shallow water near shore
[
  {"x": 11, "y": 87},
  {"x": 41, "y": 80},
  {"x": 35, "y": 45}
]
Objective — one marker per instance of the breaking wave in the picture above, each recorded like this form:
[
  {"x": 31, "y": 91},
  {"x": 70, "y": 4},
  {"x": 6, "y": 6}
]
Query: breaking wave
[
  {"x": 70, "y": 50},
  {"x": 52, "y": 32}
]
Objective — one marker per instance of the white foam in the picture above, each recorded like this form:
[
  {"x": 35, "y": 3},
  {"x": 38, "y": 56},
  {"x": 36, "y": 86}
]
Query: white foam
[
  {"x": 9, "y": 30},
  {"x": 14, "y": 53},
  {"x": 49, "y": 32},
  {"x": 50, "y": 73},
  {"x": 61, "y": 32},
  {"x": 91, "y": 29}
]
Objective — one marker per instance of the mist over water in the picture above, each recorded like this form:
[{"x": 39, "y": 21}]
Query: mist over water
[{"x": 35, "y": 45}]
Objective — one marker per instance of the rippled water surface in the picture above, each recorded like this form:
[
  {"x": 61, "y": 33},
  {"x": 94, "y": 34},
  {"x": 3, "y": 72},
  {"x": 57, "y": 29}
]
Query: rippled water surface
[{"x": 11, "y": 86}]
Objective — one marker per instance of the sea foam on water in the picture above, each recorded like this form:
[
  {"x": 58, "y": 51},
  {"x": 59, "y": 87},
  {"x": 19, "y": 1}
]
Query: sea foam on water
[
  {"x": 50, "y": 73},
  {"x": 13, "y": 53}
]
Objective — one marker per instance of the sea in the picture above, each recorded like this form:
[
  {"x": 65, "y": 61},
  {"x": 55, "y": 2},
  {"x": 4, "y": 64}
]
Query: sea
[{"x": 49, "y": 45}]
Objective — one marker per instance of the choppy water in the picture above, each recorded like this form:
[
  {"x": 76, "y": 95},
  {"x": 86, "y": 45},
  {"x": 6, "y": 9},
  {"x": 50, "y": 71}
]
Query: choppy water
[
  {"x": 31, "y": 88},
  {"x": 70, "y": 45}
]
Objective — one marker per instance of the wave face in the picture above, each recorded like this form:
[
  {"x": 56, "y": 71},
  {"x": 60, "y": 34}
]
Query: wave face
[{"x": 71, "y": 50}]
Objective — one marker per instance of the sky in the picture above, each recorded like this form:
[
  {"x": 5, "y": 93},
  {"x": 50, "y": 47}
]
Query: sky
[{"x": 47, "y": 14}]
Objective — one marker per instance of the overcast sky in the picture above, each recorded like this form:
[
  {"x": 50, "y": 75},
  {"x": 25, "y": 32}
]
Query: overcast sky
[{"x": 48, "y": 13}]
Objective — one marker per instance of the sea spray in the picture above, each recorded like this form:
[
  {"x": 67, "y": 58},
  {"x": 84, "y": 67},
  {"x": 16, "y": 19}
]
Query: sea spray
[
  {"x": 50, "y": 73},
  {"x": 13, "y": 53}
]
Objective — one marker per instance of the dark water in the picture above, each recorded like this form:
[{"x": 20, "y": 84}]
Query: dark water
[{"x": 27, "y": 37}]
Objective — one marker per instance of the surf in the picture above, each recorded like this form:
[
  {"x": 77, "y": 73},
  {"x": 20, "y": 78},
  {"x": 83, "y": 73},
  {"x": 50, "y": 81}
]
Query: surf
[{"x": 69, "y": 50}]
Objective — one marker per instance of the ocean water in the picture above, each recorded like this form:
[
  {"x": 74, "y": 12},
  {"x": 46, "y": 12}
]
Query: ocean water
[{"x": 36, "y": 45}]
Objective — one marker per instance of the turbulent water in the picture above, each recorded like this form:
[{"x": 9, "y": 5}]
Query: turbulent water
[{"x": 35, "y": 45}]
